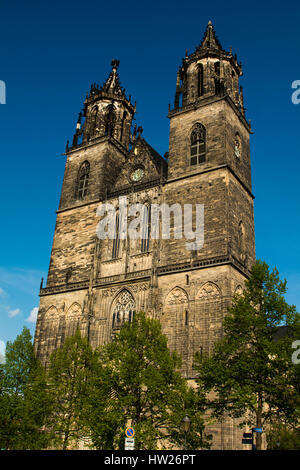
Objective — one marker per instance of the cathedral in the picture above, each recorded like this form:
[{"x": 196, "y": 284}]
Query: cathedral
[{"x": 96, "y": 284}]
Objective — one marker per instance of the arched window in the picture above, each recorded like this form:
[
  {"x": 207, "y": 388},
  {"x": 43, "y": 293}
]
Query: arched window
[
  {"x": 83, "y": 180},
  {"x": 110, "y": 118},
  {"x": 198, "y": 144},
  {"x": 122, "y": 125},
  {"x": 116, "y": 239},
  {"x": 93, "y": 120},
  {"x": 237, "y": 146},
  {"x": 186, "y": 320},
  {"x": 200, "y": 80},
  {"x": 217, "y": 78},
  {"x": 123, "y": 309},
  {"x": 241, "y": 238},
  {"x": 146, "y": 228}
]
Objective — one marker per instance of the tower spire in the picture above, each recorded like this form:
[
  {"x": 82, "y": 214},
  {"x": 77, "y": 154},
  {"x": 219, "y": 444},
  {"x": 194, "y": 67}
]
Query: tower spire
[
  {"x": 107, "y": 112},
  {"x": 210, "y": 40},
  {"x": 112, "y": 85}
]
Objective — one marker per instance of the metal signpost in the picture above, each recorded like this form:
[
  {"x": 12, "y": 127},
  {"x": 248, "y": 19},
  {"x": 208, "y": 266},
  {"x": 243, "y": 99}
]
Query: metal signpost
[{"x": 248, "y": 437}]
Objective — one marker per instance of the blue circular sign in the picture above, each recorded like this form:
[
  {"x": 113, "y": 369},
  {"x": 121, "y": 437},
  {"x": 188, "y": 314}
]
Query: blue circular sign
[{"x": 129, "y": 432}]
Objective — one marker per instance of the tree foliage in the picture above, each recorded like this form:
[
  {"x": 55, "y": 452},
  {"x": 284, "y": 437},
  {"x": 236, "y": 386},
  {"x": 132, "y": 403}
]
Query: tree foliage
[
  {"x": 283, "y": 437},
  {"x": 251, "y": 370},
  {"x": 139, "y": 383},
  {"x": 70, "y": 371},
  {"x": 24, "y": 399}
]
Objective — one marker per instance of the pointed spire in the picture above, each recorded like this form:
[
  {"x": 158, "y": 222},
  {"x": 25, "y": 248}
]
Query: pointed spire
[
  {"x": 210, "y": 40},
  {"x": 112, "y": 84}
]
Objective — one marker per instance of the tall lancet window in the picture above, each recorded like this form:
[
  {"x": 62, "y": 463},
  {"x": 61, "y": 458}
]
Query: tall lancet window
[
  {"x": 200, "y": 80},
  {"x": 198, "y": 144},
  {"x": 83, "y": 180},
  {"x": 110, "y": 119},
  {"x": 122, "y": 125},
  {"x": 241, "y": 239},
  {"x": 146, "y": 228},
  {"x": 93, "y": 120},
  {"x": 217, "y": 78},
  {"x": 116, "y": 239}
]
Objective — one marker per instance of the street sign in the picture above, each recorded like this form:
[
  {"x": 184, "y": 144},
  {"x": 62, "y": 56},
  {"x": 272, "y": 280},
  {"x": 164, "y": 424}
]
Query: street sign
[
  {"x": 129, "y": 443},
  {"x": 257, "y": 430},
  {"x": 247, "y": 435},
  {"x": 130, "y": 432},
  {"x": 247, "y": 441}
]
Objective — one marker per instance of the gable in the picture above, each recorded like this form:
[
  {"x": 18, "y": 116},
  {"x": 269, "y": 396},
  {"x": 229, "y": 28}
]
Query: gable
[{"x": 142, "y": 167}]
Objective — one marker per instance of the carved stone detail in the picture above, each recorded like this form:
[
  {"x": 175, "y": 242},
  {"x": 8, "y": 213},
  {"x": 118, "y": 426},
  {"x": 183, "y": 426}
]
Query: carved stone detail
[
  {"x": 177, "y": 296},
  {"x": 209, "y": 291}
]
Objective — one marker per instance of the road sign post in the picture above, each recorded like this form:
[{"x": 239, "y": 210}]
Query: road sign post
[
  {"x": 129, "y": 439},
  {"x": 248, "y": 437},
  {"x": 129, "y": 443}
]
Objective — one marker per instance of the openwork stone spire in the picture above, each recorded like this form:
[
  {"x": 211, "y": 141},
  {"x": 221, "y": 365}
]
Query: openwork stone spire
[
  {"x": 210, "y": 40},
  {"x": 112, "y": 86},
  {"x": 107, "y": 113}
]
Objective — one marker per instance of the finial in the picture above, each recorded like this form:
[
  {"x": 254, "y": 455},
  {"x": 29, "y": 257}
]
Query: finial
[
  {"x": 115, "y": 63},
  {"x": 209, "y": 23},
  {"x": 140, "y": 130},
  {"x": 186, "y": 53},
  {"x": 67, "y": 146},
  {"x": 78, "y": 125}
]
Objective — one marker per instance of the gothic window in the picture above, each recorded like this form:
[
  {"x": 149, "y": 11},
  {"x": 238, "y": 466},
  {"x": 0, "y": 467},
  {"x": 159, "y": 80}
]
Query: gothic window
[
  {"x": 146, "y": 228},
  {"x": 123, "y": 309},
  {"x": 198, "y": 145},
  {"x": 122, "y": 125},
  {"x": 237, "y": 146},
  {"x": 73, "y": 319},
  {"x": 217, "y": 78},
  {"x": 83, "y": 180},
  {"x": 241, "y": 238},
  {"x": 110, "y": 119},
  {"x": 186, "y": 321},
  {"x": 200, "y": 80},
  {"x": 93, "y": 120},
  {"x": 116, "y": 239}
]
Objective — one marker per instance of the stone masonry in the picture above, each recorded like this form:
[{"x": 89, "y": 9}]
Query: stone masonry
[{"x": 97, "y": 284}]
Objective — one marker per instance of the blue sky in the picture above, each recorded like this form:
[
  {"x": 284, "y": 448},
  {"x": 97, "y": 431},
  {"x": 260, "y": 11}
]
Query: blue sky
[{"x": 51, "y": 53}]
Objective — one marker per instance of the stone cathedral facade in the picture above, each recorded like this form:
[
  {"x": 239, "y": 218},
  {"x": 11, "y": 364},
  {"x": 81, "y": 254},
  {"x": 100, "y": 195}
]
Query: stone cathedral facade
[{"x": 97, "y": 284}]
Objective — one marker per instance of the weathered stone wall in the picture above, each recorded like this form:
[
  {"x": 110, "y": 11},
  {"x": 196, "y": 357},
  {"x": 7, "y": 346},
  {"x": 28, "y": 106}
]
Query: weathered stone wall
[
  {"x": 188, "y": 291},
  {"x": 105, "y": 158},
  {"x": 212, "y": 116}
]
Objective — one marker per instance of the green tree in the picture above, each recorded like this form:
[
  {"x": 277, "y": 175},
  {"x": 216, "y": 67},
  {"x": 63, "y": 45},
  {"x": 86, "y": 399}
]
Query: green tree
[
  {"x": 283, "y": 437},
  {"x": 71, "y": 369},
  {"x": 251, "y": 371},
  {"x": 24, "y": 401},
  {"x": 139, "y": 383}
]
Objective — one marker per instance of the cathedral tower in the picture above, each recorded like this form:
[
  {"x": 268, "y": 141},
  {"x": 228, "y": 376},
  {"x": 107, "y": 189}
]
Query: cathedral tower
[{"x": 98, "y": 284}]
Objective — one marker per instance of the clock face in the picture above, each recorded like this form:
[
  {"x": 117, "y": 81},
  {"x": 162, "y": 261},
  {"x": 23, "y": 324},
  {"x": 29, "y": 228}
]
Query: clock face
[{"x": 137, "y": 174}]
